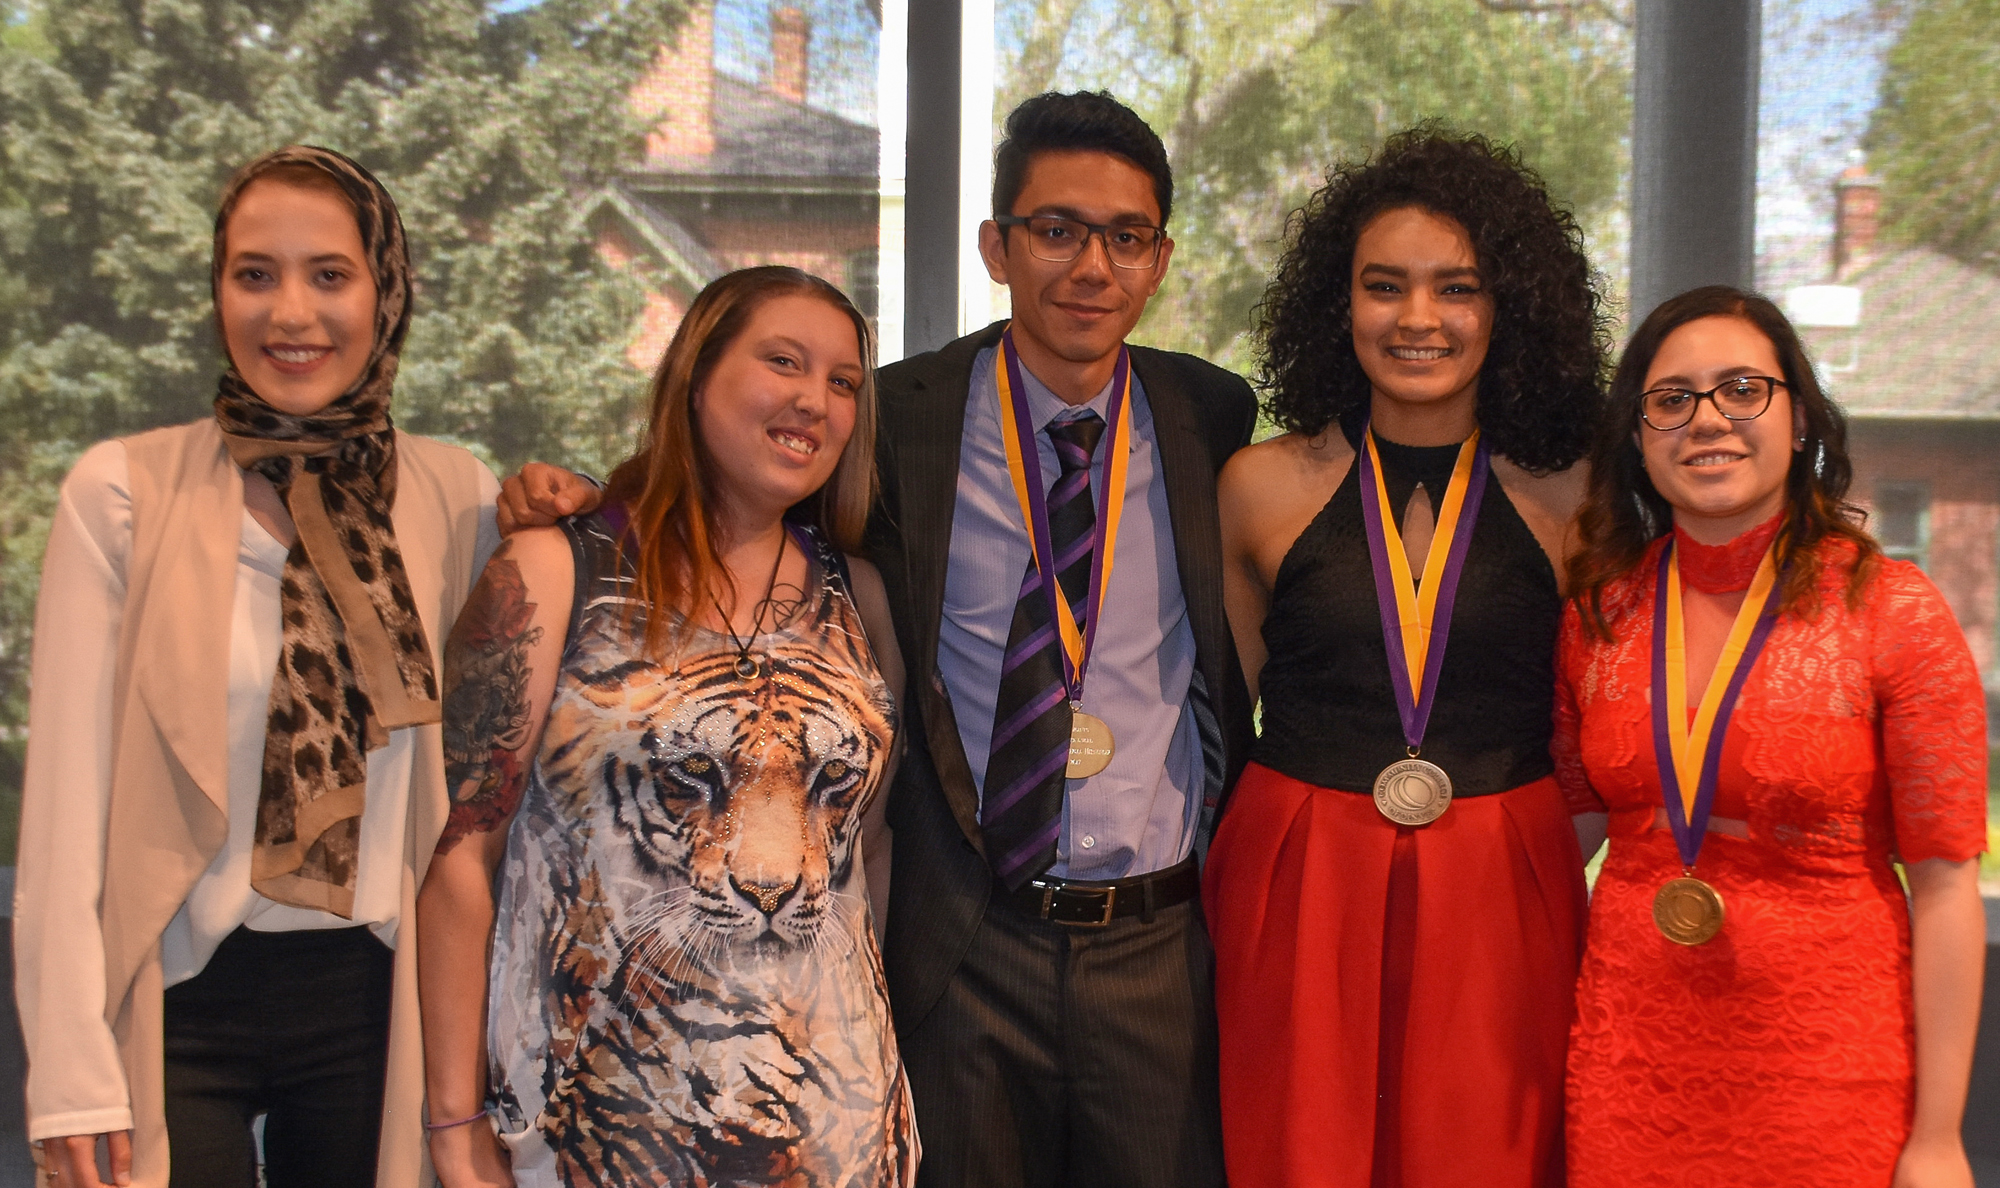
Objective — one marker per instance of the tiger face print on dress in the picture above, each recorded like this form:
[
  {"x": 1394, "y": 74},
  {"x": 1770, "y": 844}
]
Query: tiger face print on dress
[
  {"x": 686, "y": 989},
  {"x": 745, "y": 796}
]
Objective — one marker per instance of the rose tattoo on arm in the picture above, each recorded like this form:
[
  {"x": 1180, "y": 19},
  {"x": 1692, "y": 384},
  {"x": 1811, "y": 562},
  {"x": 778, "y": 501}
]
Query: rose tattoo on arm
[{"x": 486, "y": 713}]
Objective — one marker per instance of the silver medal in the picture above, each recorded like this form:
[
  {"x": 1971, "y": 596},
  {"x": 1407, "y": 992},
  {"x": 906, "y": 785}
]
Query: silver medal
[{"x": 1413, "y": 792}]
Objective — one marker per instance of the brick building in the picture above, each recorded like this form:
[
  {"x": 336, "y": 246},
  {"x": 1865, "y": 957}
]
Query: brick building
[
  {"x": 739, "y": 173},
  {"x": 1904, "y": 340}
]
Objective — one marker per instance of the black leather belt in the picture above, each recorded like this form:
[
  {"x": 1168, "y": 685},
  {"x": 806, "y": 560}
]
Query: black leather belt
[{"x": 1092, "y": 904}]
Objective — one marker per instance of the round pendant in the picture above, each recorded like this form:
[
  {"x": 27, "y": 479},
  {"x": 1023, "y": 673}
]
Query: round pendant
[
  {"x": 1688, "y": 911},
  {"x": 746, "y": 667},
  {"x": 1090, "y": 745},
  {"x": 1412, "y": 792}
]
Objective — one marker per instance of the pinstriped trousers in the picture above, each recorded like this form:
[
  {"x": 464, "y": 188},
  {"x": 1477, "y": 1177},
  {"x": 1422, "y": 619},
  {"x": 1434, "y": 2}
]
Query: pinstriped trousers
[{"x": 1063, "y": 1057}]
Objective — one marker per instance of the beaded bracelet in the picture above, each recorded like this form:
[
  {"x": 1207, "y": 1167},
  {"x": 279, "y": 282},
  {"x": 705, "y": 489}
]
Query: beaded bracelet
[{"x": 462, "y": 1121}]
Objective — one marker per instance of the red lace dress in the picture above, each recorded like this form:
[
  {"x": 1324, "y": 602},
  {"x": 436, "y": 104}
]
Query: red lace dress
[{"x": 1779, "y": 1053}]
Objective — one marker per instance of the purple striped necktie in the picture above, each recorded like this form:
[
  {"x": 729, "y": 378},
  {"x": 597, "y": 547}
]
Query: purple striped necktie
[{"x": 1021, "y": 810}]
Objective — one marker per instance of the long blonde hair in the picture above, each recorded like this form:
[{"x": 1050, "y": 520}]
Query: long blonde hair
[{"x": 668, "y": 486}]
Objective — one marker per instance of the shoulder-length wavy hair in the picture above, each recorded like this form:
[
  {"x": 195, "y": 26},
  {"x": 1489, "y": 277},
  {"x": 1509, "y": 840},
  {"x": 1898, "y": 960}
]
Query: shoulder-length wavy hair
[
  {"x": 668, "y": 487},
  {"x": 1540, "y": 389},
  {"x": 1623, "y": 513}
]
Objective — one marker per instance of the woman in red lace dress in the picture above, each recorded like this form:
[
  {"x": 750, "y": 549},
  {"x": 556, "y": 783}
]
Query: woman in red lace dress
[{"x": 1824, "y": 1034}]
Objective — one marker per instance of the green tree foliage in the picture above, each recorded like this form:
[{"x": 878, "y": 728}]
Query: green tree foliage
[
  {"x": 120, "y": 120},
  {"x": 485, "y": 125},
  {"x": 21, "y": 28},
  {"x": 1935, "y": 135},
  {"x": 1257, "y": 98}
]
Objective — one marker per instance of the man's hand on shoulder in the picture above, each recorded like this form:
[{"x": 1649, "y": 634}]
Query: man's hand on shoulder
[{"x": 541, "y": 494}]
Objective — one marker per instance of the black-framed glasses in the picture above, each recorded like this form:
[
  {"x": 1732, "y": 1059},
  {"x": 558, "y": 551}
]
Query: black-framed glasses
[
  {"x": 1059, "y": 240},
  {"x": 1740, "y": 398}
]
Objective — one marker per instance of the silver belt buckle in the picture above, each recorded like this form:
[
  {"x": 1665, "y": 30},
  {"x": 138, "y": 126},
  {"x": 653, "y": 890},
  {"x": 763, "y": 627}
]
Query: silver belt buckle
[{"x": 1110, "y": 895}]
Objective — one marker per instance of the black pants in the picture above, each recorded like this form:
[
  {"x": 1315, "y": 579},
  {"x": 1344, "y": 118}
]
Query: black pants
[
  {"x": 291, "y": 1025},
  {"x": 1081, "y": 1057}
]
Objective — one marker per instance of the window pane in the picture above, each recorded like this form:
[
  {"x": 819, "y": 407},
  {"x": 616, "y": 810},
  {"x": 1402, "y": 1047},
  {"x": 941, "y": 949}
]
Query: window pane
[
  {"x": 570, "y": 176},
  {"x": 1903, "y": 519},
  {"x": 1257, "y": 99},
  {"x": 764, "y": 147},
  {"x": 1876, "y": 231}
]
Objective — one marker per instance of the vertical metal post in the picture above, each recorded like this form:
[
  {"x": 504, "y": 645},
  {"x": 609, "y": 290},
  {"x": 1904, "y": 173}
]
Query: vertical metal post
[
  {"x": 931, "y": 223},
  {"x": 1694, "y": 147}
]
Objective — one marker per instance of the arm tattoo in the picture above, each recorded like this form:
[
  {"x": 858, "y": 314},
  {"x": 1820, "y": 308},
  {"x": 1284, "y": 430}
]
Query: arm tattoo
[{"x": 486, "y": 712}]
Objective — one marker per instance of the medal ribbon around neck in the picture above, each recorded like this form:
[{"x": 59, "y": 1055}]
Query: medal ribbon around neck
[
  {"x": 1415, "y": 627},
  {"x": 1690, "y": 755},
  {"x": 1024, "y": 466}
]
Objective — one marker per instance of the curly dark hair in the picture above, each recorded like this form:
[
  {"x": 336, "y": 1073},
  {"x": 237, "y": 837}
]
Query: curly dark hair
[
  {"x": 1623, "y": 513},
  {"x": 1541, "y": 388}
]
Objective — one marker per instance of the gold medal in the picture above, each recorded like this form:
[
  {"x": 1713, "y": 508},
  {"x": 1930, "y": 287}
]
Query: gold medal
[
  {"x": 1090, "y": 742},
  {"x": 1090, "y": 745},
  {"x": 1688, "y": 911},
  {"x": 1412, "y": 792}
]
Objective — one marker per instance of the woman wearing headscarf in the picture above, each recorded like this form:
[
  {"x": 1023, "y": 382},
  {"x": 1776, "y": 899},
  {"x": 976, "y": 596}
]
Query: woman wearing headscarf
[{"x": 234, "y": 780}]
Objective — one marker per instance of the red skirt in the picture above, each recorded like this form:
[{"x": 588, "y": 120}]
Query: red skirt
[{"x": 1394, "y": 1003}]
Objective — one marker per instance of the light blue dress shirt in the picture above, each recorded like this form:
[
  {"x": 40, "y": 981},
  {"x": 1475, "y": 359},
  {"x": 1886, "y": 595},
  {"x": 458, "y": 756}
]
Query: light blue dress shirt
[{"x": 1140, "y": 813}]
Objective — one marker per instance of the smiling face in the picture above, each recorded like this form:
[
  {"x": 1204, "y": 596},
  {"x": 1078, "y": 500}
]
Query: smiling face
[
  {"x": 1081, "y": 311},
  {"x": 1722, "y": 477},
  {"x": 1422, "y": 319},
  {"x": 297, "y": 301},
  {"x": 777, "y": 409}
]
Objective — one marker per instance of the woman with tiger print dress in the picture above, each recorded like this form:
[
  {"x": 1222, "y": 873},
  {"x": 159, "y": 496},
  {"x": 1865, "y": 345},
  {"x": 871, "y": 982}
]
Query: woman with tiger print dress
[{"x": 665, "y": 723}]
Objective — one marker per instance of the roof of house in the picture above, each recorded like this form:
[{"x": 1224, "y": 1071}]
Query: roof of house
[
  {"x": 764, "y": 143},
  {"x": 680, "y": 252},
  {"x": 759, "y": 135},
  {"x": 1924, "y": 349}
]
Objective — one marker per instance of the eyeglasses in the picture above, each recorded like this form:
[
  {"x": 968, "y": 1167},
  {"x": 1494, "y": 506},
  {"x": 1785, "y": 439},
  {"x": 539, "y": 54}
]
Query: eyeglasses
[
  {"x": 1058, "y": 240},
  {"x": 1742, "y": 398}
]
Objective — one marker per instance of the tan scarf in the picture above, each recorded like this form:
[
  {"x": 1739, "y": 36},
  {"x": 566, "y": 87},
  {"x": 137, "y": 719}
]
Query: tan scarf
[{"x": 355, "y": 662}]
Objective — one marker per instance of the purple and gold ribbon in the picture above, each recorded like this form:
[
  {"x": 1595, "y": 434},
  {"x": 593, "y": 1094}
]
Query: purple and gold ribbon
[
  {"x": 1689, "y": 755},
  {"x": 1024, "y": 466},
  {"x": 1416, "y": 626}
]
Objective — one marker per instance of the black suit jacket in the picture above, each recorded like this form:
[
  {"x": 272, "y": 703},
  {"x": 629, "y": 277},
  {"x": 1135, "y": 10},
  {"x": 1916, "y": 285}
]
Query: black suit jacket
[{"x": 941, "y": 883}]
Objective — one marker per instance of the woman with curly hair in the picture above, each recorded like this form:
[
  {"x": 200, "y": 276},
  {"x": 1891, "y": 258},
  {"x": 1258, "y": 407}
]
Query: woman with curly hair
[
  {"x": 1755, "y": 970},
  {"x": 1395, "y": 892}
]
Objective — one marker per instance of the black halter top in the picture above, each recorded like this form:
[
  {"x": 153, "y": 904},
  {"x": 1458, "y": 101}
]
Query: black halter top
[{"x": 1329, "y": 715}]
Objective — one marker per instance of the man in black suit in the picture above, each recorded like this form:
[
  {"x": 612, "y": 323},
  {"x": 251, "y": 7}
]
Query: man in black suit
[{"x": 1048, "y": 964}]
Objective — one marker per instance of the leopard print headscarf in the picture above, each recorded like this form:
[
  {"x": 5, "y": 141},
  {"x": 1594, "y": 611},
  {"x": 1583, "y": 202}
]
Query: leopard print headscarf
[{"x": 355, "y": 661}]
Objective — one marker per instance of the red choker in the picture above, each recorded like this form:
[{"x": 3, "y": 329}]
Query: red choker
[{"x": 1724, "y": 568}]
